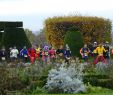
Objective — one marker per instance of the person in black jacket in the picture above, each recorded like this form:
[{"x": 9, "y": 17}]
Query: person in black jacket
[
  {"x": 107, "y": 53},
  {"x": 67, "y": 54},
  {"x": 60, "y": 53},
  {"x": 3, "y": 54}
]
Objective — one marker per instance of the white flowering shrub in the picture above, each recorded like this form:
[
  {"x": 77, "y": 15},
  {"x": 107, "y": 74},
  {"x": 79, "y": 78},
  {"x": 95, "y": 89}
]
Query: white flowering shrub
[{"x": 66, "y": 79}]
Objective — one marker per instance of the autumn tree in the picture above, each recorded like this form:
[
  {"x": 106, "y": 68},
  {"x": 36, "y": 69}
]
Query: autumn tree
[{"x": 92, "y": 29}]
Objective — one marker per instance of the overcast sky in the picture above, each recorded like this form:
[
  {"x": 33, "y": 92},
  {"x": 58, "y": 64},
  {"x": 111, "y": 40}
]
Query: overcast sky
[{"x": 34, "y": 12}]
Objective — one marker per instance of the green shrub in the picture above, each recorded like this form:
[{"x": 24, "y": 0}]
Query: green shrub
[
  {"x": 0, "y": 39},
  {"x": 39, "y": 91},
  {"x": 99, "y": 80},
  {"x": 75, "y": 41},
  {"x": 10, "y": 24},
  {"x": 15, "y": 37}
]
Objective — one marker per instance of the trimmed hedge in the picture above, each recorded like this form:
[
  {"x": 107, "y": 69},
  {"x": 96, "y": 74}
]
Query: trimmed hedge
[
  {"x": 15, "y": 37},
  {"x": 0, "y": 39},
  {"x": 75, "y": 41},
  {"x": 91, "y": 28},
  {"x": 4, "y": 25},
  {"x": 99, "y": 80}
]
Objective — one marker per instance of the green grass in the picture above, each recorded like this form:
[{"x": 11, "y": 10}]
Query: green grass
[
  {"x": 78, "y": 94},
  {"x": 91, "y": 91}
]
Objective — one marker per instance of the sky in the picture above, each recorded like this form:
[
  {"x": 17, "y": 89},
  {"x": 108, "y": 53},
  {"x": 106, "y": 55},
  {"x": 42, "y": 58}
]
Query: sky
[{"x": 34, "y": 12}]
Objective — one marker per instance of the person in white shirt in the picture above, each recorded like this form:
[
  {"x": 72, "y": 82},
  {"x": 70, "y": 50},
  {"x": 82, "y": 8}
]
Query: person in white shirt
[{"x": 14, "y": 53}]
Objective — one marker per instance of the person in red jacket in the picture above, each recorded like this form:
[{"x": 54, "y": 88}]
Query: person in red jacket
[
  {"x": 32, "y": 54},
  {"x": 52, "y": 54}
]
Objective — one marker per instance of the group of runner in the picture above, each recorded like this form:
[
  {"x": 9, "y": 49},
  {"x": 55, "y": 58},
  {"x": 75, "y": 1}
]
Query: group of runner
[
  {"x": 45, "y": 53},
  {"x": 99, "y": 52}
]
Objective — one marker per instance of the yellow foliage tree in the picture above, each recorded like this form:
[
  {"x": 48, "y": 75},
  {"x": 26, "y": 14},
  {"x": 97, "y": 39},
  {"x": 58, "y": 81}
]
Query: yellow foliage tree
[{"x": 91, "y": 28}]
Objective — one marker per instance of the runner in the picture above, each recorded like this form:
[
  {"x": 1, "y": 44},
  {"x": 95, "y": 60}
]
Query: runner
[
  {"x": 85, "y": 52},
  {"x": 3, "y": 54},
  {"x": 107, "y": 53},
  {"x": 67, "y": 54},
  {"x": 52, "y": 54},
  {"x": 32, "y": 54},
  {"x": 94, "y": 46},
  {"x": 10, "y": 54},
  {"x": 38, "y": 51},
  {"x": 24, "y": 54},
  {"x": 111, "y": 52},
  {"x": 14, "y": 54},
  {"x": 45, "y": 54},
  {"x": 60, "y": 53},
  {"x": 100, "y": 51}
]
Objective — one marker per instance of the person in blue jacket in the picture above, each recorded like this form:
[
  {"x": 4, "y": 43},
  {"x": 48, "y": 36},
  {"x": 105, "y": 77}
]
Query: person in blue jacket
[
  {"x": 67, "y": 54},
  {"x": 24, "y": 54}
]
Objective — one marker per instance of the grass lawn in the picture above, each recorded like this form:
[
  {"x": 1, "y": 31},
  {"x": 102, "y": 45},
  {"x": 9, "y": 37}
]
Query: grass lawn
[{"x": 91, "y": 91}]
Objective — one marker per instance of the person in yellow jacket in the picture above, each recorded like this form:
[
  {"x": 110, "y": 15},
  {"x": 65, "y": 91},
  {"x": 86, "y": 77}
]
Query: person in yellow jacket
[
  {"x": 100, "y": 54},
  {"x": 38, "y": 49}
]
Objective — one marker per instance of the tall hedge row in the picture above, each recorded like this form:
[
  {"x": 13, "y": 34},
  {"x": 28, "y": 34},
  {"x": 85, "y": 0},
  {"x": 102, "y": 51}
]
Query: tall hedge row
[
  {"x": 92, "y": 29},
  {"x": 15, "y": 37},
  {"x": 10, "y": 24},
  {"x": 0, "y": 39}
]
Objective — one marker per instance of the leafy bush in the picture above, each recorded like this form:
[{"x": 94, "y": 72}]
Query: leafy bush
[
  {"x": 39, "y": 91},
  {"x": 26, "y": 79},
  {"x": 99, "y": 75},
  {"x": 10, "y": 81}
]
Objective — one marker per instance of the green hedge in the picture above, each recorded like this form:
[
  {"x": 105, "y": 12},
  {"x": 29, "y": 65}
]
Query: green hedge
[
  {"x": 15, "y": 37},
  {"x": 0, "y": 39},
  {"x": 10, "y": 24},
  {"x": 99, "y": 80},
  {"x": 75, "y": 41}
]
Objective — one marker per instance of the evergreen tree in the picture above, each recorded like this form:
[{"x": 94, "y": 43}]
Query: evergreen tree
[{"x": 75, "y": 41}]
